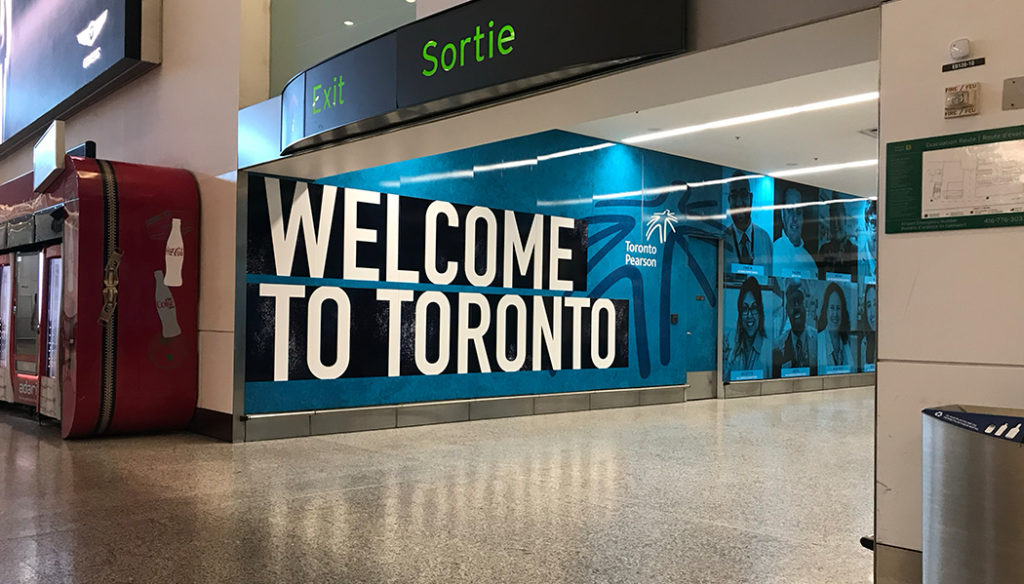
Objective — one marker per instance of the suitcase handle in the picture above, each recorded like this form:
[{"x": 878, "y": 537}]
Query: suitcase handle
[{"x": 110, "y": 282}]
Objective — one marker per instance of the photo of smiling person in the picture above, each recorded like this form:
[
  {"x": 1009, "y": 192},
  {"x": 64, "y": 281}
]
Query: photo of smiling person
[
  {"x": 748, "y": 355},
  {"x": 834, "y": 352},
  {"x": 790, "y": 258},
  {"x": 796, "y": 352}
]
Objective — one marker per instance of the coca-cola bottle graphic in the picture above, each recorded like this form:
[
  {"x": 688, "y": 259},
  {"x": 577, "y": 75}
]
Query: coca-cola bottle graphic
[
  {"x": 1013, "y": 433},
  {"x": 174, "y": 255},
  {"x": 165, "y": 307}
]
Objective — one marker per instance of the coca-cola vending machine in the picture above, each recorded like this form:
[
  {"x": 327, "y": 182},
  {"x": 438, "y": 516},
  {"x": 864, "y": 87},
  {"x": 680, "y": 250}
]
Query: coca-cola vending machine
[{"x": 99, "y": 299}]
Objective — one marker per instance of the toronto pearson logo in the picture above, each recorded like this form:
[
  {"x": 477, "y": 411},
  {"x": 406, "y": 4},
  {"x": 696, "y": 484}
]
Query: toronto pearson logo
[{"x": 662, "y": 223}]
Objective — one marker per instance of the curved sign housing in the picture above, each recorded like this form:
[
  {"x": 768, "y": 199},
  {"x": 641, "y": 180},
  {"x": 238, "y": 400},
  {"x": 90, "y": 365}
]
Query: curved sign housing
[{"x": 471, "y": 54}]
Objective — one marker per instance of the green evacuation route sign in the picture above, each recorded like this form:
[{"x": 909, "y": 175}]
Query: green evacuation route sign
[{"x": 962, "y": 181}]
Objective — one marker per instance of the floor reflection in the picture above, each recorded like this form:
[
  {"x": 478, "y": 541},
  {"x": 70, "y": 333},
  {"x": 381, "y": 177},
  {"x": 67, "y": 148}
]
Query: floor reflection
[{"x": 774, "y": 489}]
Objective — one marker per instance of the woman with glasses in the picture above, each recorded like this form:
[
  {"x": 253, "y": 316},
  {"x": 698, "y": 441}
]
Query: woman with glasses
[
  {"x": 834, "y": 332},
  {"x": 750, "y": 357}
]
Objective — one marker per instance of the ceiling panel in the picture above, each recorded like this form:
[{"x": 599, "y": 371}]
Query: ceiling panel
[{"x": 799, "y": 141}]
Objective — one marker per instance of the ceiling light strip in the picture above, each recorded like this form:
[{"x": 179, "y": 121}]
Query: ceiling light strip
[
  {"x": 751, "y": 118},
  {"x": 824, "y": 168}
]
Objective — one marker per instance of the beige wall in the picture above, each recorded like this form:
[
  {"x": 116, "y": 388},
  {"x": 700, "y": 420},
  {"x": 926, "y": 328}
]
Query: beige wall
[
  {"x": 305, "y": 32},
  {"x": 951, "y": 318},
  {"x": 183, "y": 114},
  {"x": 428, "y": 7}
]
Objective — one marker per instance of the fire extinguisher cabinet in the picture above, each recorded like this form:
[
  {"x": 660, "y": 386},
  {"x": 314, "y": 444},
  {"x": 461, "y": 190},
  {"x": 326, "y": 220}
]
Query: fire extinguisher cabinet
[{"x": 129, "y": 304}]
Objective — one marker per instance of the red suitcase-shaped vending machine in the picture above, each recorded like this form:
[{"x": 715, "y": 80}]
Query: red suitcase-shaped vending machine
[{"x": 128, "y": 265}]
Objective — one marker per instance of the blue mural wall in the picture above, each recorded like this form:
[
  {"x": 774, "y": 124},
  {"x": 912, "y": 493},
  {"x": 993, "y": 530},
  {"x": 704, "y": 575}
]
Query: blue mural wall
[
  {"x": 800, "y": 290},
  {"x": 638, "y": 251}
]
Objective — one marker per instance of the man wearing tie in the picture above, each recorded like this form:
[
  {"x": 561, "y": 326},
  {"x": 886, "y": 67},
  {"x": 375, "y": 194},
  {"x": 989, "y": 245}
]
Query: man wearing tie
[
  {"x": 798, "y": 348},
  {"x": 745, "y": 243}
]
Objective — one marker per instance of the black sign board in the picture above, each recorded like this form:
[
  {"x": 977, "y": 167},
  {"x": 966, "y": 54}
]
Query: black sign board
[
  {"x": 56, "y": 54},
  {"x": 350, "y": 87},
  {"x": 963, "y": 64},
  {"x": 527, "y": 43},
  {"x": 474, "y": 53}
]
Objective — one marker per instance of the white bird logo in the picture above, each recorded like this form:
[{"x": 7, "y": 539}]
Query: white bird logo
[{"x": 662, "y": 222}]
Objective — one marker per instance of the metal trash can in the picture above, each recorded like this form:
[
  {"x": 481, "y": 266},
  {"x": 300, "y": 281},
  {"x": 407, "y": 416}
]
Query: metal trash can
[{"x": 973, "y": 495}]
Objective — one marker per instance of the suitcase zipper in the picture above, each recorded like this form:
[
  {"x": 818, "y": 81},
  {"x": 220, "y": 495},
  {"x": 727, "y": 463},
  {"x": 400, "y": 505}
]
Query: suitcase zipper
[{"x": 108, "y": 313}]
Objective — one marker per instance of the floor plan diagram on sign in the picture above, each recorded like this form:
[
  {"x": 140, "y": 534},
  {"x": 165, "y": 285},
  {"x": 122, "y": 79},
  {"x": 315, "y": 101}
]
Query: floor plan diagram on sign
[{"x": 986, "y": 179}]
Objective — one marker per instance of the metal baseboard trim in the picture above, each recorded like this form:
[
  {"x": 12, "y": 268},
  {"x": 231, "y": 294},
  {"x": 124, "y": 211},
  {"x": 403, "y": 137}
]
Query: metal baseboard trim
[
  {"x": 319, "y": 422},
  {"x": 797, "y": 384},
  {"x": 896, "y": 565}
]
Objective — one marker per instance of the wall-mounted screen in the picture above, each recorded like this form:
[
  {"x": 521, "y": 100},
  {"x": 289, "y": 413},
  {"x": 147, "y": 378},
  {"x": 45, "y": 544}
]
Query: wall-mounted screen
[{"x": 56, "y": 53}]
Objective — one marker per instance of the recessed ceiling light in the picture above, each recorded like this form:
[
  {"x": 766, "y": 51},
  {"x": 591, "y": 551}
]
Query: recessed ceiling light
[
  {"x": 768, "y": 115},
  {"x": 349, "y": 23},
  {"x": 823, "y": 168},
  {"x": 411, "y": 1}
]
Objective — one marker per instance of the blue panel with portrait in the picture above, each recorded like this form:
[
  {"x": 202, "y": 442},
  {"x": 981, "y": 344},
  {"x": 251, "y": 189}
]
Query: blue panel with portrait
[{"x": 813, "y": 295}]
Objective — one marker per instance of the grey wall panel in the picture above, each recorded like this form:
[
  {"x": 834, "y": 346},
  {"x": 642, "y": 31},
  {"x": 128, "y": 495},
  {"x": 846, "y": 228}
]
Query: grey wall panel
[
  {"x": 553, "y": 404},
  {"x": 807, "y": 384},
  {"x": 837, "y": 381},
  {"x": 614, "y": 399},
  {"x": 776, "y": 386},
  {"x": 356, "y": 420},
  {"x": 501, "y": 408},
  {"x": 863, "y": 379},
  {"x": 743, "y": 389},
  {"x": 663, "y": 395},
  {"x": 274, "y": 427},
  {"x": 419, "y": 415},
  {"x": 702, "y": 385}
]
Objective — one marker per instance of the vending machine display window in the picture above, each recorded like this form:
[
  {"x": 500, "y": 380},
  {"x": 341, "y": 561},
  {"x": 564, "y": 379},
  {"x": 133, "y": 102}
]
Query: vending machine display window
[
  {"x": 27, "y": 312},
  {"x": 53, "y": 312},
  {"x": 6, "y": 384},
  {"x": 5, "y": 312}
]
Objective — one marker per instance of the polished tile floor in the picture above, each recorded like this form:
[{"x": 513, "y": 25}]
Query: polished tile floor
[{"x": 759, "y": 490}]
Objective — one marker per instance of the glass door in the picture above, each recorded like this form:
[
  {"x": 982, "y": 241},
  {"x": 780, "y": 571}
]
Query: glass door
[
  {"x": 27, "y": 312},
  {"x": 6, "y": 318},
  {"x": 50, "y": 357}
]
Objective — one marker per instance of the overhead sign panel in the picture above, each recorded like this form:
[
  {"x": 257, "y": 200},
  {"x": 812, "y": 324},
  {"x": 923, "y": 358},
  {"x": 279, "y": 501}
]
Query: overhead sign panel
[
  {"x": 512, "y": 46},
  {"x": 351, "y": 87},
  {"x": 474, "y": 53}
]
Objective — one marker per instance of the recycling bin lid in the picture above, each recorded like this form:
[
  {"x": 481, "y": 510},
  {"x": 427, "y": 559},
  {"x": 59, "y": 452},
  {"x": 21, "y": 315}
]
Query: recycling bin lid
[{"x": 1002, "y": 423}]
